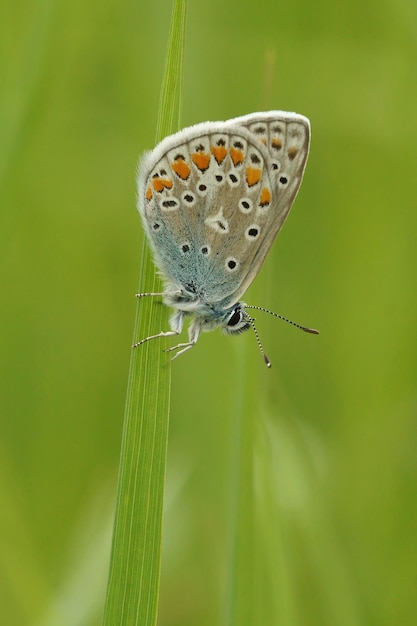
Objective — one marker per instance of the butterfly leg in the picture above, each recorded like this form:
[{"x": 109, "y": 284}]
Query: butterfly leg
[
  {"x": 176, "y": 323},
  {"x": 148, "y": 294},
  {"x": 167, "y": 333},
  {"x": 152, "y": 294},
  {"x": 193, "y": 334}
]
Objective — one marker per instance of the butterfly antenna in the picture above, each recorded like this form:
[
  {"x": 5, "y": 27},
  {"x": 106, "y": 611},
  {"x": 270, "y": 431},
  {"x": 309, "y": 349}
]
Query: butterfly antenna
[
  {"x": 252, "y": 323},
  {"x": 312, "y": 331}
]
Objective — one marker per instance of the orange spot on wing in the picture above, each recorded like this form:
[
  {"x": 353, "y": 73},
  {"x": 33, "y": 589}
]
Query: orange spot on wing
[
  {"x": 276, "y": 143},
  {"x": 219, "y": 153},
  {"x": 253, "y": 175},
  {"x": 265, "y": 198},
  {"x": 159, "y": 184},
  {"x": 237, "y": 156},
  {"x": 181, "y": 168},
  {"x": 201, "y": 160},
  {"x": 148, "y": 194},
  {"x": 292, "y": 152}
]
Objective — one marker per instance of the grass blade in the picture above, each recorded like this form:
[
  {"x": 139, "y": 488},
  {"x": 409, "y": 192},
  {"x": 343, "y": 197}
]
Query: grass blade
[{"x": 133, "y": 587}]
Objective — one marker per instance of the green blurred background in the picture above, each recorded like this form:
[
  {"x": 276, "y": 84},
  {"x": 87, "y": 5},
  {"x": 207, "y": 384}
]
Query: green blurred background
[{"x": 80, "y": 86}]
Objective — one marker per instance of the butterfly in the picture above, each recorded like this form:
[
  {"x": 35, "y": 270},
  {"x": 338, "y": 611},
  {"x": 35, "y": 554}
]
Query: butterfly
[{"x": 213, "y": 197}]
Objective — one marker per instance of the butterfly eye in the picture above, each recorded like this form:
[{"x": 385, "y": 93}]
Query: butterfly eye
[
  {"x": 237, "y": 322},
  {"x": 235, "y": 318}
]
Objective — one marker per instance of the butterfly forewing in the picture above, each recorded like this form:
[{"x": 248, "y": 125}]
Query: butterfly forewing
[
  {"x": 214, "y": 196},
  {"x": 287, "y": 139}
]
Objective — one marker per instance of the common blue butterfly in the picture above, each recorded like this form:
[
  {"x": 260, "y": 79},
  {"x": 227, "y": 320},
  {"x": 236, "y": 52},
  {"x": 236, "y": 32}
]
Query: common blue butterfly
[{"x": 212, "y": 198}]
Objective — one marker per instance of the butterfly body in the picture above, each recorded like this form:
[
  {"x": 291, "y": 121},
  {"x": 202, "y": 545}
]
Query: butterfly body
[{"x": 213, "y": 198}]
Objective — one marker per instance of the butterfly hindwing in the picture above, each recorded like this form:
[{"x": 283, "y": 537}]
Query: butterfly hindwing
[
  {"x": 206, "y": 205},
  {"x": 214, "y": 196}
]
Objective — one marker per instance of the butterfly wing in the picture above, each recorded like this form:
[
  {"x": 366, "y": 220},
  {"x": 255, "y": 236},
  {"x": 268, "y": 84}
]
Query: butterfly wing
[
  {"x": 212, "y": 201},
  {"x": 287, "y": 139}
]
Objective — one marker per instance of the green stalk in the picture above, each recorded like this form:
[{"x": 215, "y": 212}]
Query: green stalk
[{"x": 133, "y": 586}]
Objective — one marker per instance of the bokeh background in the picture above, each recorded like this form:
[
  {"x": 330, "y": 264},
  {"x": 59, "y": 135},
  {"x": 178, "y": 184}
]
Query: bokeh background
[{"x": 80, "y": 85}]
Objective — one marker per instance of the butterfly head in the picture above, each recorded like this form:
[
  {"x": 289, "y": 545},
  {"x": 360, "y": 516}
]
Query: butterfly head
[{"x": 189, "y": 300}]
